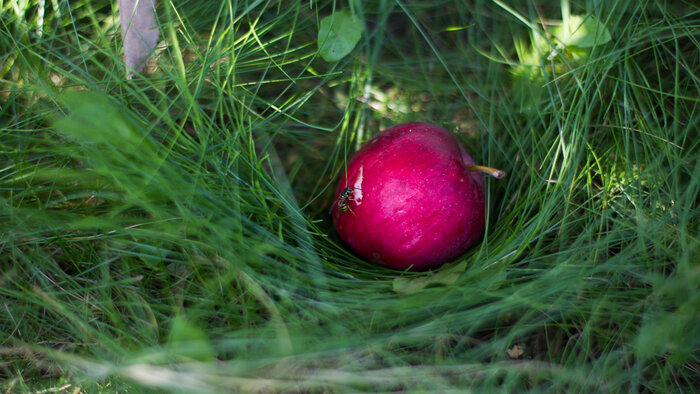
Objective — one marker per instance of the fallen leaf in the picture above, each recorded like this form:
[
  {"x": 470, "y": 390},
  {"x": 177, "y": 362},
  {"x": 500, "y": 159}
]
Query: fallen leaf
[
  {"x": 139, "y": 32},
  {"x": 515, "y": 352},
  {"x": 582, "y": 32},
  {"x": 338, "y": 35}
]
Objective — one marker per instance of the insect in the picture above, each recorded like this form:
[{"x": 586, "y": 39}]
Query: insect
[{"x": 344, "y": 199}]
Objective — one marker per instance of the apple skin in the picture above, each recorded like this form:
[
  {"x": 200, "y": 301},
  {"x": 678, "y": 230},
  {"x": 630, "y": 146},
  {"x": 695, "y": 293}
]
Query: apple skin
[{"x": 410, "y": 201}]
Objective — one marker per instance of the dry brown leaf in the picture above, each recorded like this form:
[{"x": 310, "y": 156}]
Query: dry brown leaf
[
  {"x": 516, "y": 351},
  {"x": 139, "y": 32}
]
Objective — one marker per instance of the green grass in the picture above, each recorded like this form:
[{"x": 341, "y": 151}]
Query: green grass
[{"x": 170, "y": 232}]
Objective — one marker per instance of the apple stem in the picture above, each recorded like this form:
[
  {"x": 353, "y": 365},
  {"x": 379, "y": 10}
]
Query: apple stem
[{"x": 494, "y": 172}]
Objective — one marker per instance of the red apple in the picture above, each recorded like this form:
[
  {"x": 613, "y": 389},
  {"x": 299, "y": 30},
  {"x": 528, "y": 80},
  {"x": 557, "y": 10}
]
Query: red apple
[{"x": 411, "y": 198}]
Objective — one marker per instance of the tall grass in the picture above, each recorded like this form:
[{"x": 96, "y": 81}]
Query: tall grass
[{"x": 171, "y": 231}]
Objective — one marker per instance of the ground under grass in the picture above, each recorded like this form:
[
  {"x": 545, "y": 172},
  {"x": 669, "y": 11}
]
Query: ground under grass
[{"x": 171, "y": 231}]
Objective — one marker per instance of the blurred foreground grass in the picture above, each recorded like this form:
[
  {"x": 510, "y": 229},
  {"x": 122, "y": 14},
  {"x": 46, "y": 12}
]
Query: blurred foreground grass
[{"x": 171, "y": 231}]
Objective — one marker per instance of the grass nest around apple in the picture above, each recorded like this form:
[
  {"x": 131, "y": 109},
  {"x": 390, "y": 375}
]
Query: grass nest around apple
[{"x": 171, "y": 231}]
